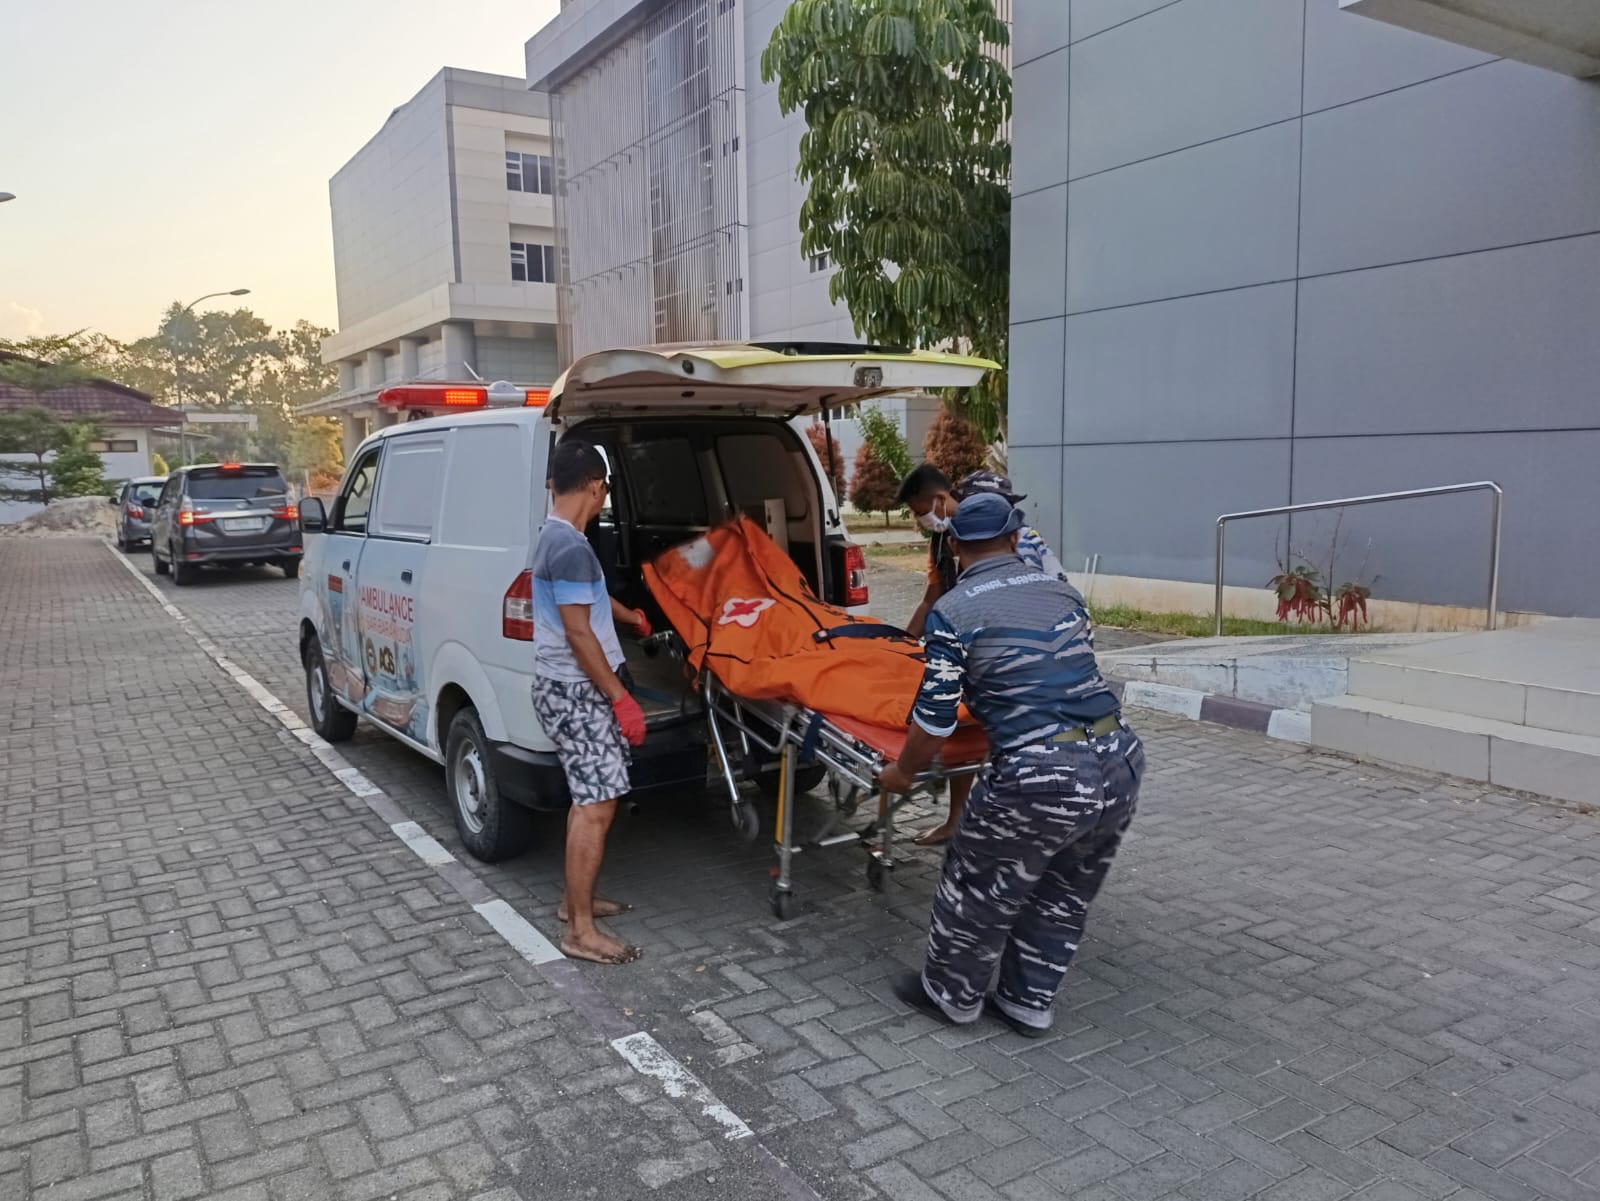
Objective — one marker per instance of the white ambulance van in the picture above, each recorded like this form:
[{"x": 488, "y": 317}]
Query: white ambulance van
[{"x": 415, "y": 603}]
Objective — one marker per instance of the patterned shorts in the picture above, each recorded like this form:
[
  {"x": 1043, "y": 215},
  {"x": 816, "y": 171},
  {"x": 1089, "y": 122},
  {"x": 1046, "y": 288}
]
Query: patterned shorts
[{"x": 578, "y": 719}]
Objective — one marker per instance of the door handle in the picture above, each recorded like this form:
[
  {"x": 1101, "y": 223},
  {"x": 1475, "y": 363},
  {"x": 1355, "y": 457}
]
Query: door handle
[
  {"x": 405, "y": 577},
  {"x": 347, "y": 564}
]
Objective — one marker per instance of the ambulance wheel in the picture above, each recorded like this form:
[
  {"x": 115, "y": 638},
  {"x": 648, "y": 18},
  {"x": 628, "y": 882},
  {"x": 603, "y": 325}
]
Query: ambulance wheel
[
  {"x": 875, "y": 873},
  {"x": 784, "y": 906},
  {"x": 805, "y": 779},
  {"x": 746, "y": 822},
  {"x": 491, "y": 827},
  {"x": 331, "y": 720}
]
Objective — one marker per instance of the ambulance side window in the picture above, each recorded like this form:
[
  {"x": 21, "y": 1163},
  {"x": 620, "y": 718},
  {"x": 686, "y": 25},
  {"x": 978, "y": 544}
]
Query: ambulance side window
[{"x": 355, "y": 502}]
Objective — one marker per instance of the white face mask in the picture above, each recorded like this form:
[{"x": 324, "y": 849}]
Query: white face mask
[{"x": 933, "y": 523}]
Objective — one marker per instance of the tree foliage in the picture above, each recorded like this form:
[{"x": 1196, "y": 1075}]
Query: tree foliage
[
  {"x": 908, "y": 168},
  {"x": 882, "y": 432},
  {"x": 823, "y": 442},
  {"x": 76, "y": 470},
  {"x": 317, "y": 447},
  {"x": 954, "y": 445},
  {"x": 28, "y": 437},
  {"x": 875, "y": 486}
]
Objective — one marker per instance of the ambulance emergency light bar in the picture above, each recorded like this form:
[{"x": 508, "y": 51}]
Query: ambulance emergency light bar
[{"x": 458, "y": 396}]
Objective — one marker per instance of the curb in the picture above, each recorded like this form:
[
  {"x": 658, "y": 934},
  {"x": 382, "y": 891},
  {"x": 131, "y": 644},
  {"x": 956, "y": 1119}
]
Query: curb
[{"x": 1290, "y": 725}]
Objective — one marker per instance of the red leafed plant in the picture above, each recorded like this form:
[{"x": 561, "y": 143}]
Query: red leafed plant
[{"x": 1303, "y": 596}]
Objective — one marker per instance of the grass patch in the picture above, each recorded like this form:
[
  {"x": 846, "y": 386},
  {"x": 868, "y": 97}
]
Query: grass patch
[{"x": 1193, "y": 625}]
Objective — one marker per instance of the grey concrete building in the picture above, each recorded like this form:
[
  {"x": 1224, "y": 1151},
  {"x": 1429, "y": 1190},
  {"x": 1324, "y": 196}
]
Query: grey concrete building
[
  {"x": 444, "y": 247},
  {"x": 1277, "y": 251},
  {"x": 678, "y": 211}
]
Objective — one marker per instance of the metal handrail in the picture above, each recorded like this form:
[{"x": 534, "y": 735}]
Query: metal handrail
[{"x": 1351, "y": 501}]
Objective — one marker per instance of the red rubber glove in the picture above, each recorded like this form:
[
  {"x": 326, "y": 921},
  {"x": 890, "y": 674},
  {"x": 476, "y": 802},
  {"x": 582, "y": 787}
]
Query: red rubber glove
[
  {"x": 641, "y": 624},
  {"x": 630, "y": 719}
]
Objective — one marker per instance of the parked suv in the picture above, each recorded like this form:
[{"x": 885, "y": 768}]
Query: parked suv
[
  {"x": 134, "y": 501},
  {"x": 416, "y": 608},
  {"x": 225, "y": 514}
]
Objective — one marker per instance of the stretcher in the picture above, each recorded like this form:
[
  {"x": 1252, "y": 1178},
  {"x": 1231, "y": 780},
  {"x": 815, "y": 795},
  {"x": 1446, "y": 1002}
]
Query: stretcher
[
  {"x": 852, "y": 755},
  {"x": 784, "y": 676}
]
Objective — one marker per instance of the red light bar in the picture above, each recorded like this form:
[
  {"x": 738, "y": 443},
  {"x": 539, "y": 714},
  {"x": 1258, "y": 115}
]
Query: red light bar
[
  {"x": 537, "y": 398},
  {"x": 424, "y": 396}
]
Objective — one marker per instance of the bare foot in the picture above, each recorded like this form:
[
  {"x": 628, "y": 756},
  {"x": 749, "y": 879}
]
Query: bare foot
[
  {"x": 937, "y": 836},
  {"x": 599, "y": 947},
  {"x": 602, "y": 908}
]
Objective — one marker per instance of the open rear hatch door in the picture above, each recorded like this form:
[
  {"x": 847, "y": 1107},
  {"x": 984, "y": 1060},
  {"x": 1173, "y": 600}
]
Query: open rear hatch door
[{"x": 749, "y": 379}]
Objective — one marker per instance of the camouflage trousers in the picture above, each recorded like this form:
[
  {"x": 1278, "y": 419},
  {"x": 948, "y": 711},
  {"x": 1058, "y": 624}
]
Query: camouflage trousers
[{"x": 1034, "y": 846}]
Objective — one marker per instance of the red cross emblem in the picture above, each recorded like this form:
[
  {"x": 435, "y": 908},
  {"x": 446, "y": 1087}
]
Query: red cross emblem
[{"x": 741, "y": 612}]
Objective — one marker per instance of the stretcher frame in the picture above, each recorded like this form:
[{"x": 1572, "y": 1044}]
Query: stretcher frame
[{"x": 799, "y": 737}]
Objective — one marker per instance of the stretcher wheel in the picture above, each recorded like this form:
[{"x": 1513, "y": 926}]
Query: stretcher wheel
[
  {"x": 875, "y": 872},
  {"x": 746, "y": 822},
  {"x": 783, "y": 903}
]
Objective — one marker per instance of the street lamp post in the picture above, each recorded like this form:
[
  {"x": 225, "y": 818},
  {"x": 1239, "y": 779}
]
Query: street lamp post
[{"x": 177, "y": 374}]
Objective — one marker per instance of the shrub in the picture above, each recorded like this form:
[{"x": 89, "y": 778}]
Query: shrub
[
  {"x": 832, "y": 465},
  {"x": 955, "y": 446},
  {"x": 875, "y": 486}
]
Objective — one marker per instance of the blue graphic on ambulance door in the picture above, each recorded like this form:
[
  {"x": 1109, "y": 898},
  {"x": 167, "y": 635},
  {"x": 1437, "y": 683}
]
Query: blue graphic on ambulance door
[{"x": 386, "y": 609}]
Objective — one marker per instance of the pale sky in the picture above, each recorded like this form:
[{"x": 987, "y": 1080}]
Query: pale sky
[{"x": 162, "y": 149}]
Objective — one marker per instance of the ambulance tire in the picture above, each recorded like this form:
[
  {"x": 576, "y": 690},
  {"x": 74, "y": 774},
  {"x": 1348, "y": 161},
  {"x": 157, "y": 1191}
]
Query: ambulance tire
[
  {"x": 492, "y": 827},
  {"x": 331, "y": 720}
]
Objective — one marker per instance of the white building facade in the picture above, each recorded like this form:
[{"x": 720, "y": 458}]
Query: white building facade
[
  {"x": 678, "y": 211},
  {"x": 444, "y": 248}
]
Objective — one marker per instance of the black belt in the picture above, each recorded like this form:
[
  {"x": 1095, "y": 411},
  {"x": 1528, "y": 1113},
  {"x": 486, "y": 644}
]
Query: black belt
[{"x": 1108, "y": 723}]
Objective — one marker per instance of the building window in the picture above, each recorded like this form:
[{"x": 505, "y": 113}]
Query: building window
[
  {"x": 115, "y": 446},
  {"x": 532, "y": 263},
  {"x": 530, "y": 173},
  {"x": 821, "y": 262}
]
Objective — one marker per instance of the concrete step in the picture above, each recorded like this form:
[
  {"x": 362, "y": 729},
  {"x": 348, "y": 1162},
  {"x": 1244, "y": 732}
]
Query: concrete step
[
  {"x": 1507, "y": 754},
  {"x": 1461, "y": 690}
]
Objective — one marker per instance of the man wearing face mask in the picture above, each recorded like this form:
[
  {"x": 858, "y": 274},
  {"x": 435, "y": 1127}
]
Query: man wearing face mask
[
  {"x": 1050, "y": 808},
  {"x": 932, "y": 498}
]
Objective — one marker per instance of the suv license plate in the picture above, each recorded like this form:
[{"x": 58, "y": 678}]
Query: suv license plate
[{"x": 244, "y": 525}]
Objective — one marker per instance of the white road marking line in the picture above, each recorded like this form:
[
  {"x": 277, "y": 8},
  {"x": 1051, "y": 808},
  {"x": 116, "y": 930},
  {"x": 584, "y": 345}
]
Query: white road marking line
[
  {"x": 650, "y": 1058},
  {"x": 428, "y": 849},
  {"x": 519, "y": 932}
]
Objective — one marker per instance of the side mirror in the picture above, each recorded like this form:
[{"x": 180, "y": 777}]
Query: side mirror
[
  {"x": 313, "y": 517},
  {"x": 111, "y": 500}
]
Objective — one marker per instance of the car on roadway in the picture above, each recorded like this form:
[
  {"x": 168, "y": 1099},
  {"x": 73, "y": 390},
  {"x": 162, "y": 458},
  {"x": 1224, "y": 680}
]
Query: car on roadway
[
  {"x": 416, "y": 604},
  {"x": 134, "y": 500},
  {"x": 225, "y": 515}
]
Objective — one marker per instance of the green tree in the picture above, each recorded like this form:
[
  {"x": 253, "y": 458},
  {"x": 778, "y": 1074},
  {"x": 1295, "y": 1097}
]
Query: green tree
[
  {"x": 317, "y": 447},
  {"x": 908, "y": 169},
  {"x": 76, "y": 470},
  {"x": 882, "y": 433},
  {"x": 31, "y": 436}
]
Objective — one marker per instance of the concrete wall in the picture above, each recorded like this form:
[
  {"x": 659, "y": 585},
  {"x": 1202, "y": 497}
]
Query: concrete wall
[
  {"x": 1267, "y": 252},
  {"x": 392, "y": 236}
]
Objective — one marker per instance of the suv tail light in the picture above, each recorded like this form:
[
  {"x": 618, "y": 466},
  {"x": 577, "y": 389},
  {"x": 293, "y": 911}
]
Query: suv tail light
[
  {"x": 135, "y": 511},
  {"x": 189, "y": 515},
  {"x": 855, "y": 576},
  {"x": 516, "y": 612},
  {"x": 287, "y": 511}
]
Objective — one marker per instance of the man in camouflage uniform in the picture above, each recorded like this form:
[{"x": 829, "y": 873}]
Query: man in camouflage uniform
[{"x": 1037, "y": 837}]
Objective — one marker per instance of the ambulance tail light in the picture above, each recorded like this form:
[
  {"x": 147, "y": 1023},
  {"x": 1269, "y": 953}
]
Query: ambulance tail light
[
  {"x": 855, "y": 576},
  {"x": 516, "y": 614}
]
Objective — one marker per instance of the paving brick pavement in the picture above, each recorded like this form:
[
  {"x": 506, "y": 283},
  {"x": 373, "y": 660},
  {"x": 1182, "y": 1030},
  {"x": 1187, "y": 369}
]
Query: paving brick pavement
[
  {"x": 1306, "y": 979},
  {"x": 221, "y": 976}
]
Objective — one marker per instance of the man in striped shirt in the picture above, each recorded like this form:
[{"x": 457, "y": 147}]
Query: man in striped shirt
[{"x": 932, "y": 498}]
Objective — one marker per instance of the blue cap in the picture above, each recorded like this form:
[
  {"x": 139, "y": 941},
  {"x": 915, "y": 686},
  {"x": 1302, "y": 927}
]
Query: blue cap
[{"x": 984, "y": 516}]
